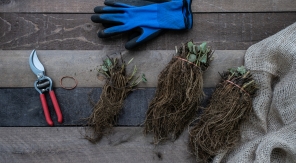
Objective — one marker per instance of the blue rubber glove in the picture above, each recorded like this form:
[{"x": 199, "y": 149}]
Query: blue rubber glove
[{"x": 147, "y": 17}]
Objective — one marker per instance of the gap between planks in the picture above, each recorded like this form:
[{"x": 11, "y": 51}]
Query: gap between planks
[
  {"x": 83, "y": 65},
  {"x": 82, "y": 6},
  {"x": 66, "y": 144}
]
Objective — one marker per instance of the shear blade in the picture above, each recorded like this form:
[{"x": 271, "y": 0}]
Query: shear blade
[{"x": 35, "y": 63}]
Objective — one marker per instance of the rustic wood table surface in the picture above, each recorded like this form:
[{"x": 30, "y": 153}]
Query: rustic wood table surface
[{"x": 67, "y": 44}]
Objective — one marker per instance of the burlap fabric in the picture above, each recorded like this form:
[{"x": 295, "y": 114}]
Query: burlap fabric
[{"x": 269, "y": 134}]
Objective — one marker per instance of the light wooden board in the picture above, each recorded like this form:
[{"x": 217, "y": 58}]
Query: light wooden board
[
  {"x": 82, "y": 6},
  {"x": 223, "y": 31},
  {"x": 66, "y": 144},
  {"x": 83, "y": 65}
]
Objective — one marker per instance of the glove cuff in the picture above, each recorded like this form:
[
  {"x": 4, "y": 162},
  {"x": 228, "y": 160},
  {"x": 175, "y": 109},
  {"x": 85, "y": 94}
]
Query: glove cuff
[{"x": 188, "y": 19}]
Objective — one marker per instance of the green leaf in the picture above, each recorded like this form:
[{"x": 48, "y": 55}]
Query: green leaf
[
  {"x": 203, "y": 59},
  {"x": 108, "y": 62},
  {"x": 104, "y": 68},
  {"x": 203, "y": 47},
  {"x": 192, "y": 58},
  {"x": 190, "y": 46},
  {"x": 194, "y": 49},
  {"x": 144, "y": 78},
  {"x": 232, "y": 70},
  {"x": 242, "y": 70}
]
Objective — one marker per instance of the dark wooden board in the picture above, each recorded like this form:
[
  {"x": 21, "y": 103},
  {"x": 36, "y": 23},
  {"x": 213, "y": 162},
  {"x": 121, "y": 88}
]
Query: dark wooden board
[
  {"x": 22, "y": 106},
  {"x": 223, "y": 31},
  {"x": 66, "y": 144},
  {"x": 82, "y": 6}
]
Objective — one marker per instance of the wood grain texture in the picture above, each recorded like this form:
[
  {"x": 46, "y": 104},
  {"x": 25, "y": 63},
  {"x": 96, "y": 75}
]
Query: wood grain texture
[
  {"x": 243, "y": 5},
  {"x": 83, "y": 65},
  {"x": 66, "y": 40},
  {"x": 223, "y": 31},
  {"x": 22, "y": 106},
  {"x": 82, "y": 6},
  {"x": 66, "y": 144}
]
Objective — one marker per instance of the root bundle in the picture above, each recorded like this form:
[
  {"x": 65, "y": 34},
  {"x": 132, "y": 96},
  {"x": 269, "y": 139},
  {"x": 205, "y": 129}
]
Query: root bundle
[
  {"x": 179, "y": 93},
  {"x": 218, "y": 126},
  {"x": 117, "y": 87}
]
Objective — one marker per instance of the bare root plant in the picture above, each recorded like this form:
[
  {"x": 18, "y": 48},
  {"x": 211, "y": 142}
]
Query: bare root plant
[
  {"x": 117, "y": 87},
  {"x": 218, "y": 126},
  {"x": 179, "y": 92}
]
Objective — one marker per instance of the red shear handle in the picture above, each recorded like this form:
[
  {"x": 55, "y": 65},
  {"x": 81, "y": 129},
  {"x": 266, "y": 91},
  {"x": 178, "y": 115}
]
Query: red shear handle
[
  {"x": 56, "y": 106},
  {"x": 45, "y": 110}
]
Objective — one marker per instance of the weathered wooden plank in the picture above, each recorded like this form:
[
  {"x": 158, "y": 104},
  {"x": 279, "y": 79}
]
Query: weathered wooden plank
[
  {"x": 66, "y": 144},
  {"x": 83, "y": 65},
  {"x": 82, "y": 6},
  {"x": 22, "y": 106},
  {"x": 243, "y": 5},
  {"x": 224, "y": 31},
  {"x": 53, "y": 6}
]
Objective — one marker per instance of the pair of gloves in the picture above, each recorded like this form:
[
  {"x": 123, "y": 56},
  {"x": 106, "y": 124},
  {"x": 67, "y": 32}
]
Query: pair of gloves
[{"x": 145, "y": 18}]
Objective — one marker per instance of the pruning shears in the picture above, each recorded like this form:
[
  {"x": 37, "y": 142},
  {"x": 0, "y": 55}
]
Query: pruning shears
[{"x": 44, "y": 84}]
